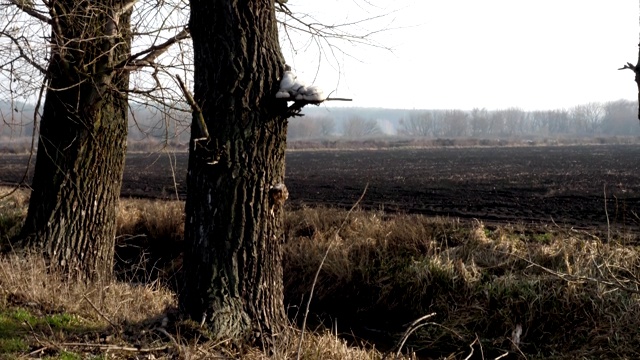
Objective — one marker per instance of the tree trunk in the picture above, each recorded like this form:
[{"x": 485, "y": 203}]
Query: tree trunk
[
  {"x": 233, "y": 212},
  {"x": 82, "y": 143}
]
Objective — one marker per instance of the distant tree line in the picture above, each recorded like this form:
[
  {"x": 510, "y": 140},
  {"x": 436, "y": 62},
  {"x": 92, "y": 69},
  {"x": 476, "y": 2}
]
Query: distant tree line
[
  {"x": 593, "y": 119},
  {"x": 589, "y": 120}
]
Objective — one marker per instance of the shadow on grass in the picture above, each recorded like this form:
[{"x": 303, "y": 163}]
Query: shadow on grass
[{"x": 31, "y": 330}]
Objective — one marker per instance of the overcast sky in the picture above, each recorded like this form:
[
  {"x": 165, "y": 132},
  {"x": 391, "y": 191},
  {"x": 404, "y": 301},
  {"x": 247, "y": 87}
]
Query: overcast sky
[{"x": 461, "y": 54}]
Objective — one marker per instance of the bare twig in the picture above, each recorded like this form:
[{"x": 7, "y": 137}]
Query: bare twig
[
  {"x": 315, "y": 278},
  {"x": 577, "y": 278},
  {"x": 606, "y": 212},
  {"x": 415, "y": 325},
  {"x": 197, "y": 112},
  {"x": 23, "y": 54},
  {"x": 37, "y": 351},
  {"x": 100, "y": 312},
  {"x": 166, "y": 333},
  {"x": 23, "y": 5},
  {"x": 471, "y": 347},
  {"x": 517, "y": 348},
  {"x": 45, "y": 84},
  {"x": 628, "y": 66}
]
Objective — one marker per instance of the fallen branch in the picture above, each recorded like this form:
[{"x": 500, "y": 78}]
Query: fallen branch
[{"x": 117, "y": 347}]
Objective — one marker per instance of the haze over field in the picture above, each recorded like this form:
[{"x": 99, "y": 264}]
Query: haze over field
[
  {"x": 461, "y": 54},
  {"x": 591, "y": 120}
]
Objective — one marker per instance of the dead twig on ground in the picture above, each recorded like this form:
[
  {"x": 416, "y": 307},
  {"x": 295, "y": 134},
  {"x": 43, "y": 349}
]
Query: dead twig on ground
[
  {"x": 117, "y": 347},
  {"x": 99, "y": 312},
  {"x": 415, "y": 325}
]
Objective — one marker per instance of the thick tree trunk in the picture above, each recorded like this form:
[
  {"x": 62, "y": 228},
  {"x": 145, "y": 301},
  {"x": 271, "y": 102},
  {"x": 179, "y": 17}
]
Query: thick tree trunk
[
  {"x": 81, "y": 149},
  {"x": 233, "y": 228}
]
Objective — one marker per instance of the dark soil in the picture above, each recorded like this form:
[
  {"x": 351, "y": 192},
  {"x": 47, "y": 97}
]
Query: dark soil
[{"x": 565, "y": 185}]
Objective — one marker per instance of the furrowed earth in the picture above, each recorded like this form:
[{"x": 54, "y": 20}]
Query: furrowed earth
[{"x": 577, "y": 186}]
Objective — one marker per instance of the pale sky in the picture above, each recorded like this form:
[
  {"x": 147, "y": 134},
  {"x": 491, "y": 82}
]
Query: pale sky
[{"x": 543, "y": 54}]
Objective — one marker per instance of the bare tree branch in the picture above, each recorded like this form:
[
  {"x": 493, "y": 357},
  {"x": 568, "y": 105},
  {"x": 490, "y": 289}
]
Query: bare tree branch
[
  {"x": 29, "y": 9},
  {"x": 635, "y": 69},
  {"x": 153, "y": 52},
  {"x": 195, "y": 108},
  {"x": 23, "y": 55}
]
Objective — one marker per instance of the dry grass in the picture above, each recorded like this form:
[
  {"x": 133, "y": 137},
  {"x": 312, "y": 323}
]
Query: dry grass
[
  {"x": 570, "y": 293},
  {"x": 13, "y": 209},
  {"x": 24, "y": 281},
  {"x": 534, "y": 291},
  {"x": 149, "y": 240},
  {"x": 122, "y": 319}
]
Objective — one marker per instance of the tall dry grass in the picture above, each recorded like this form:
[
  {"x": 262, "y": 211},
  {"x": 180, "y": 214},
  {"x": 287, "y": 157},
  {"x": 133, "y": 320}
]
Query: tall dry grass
[
  {"x": 130, "y": 318},
  {"x": 568, "y": 293},
  {"x": 131, "y": 321},
  {"x": 534, "y": 291}
]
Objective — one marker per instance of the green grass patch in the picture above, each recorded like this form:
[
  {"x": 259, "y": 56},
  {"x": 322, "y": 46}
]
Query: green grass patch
[
  {"x": 18, "y": 320},
  {"x": 12, "y": 345},
  {"x": 13, "y": 322},
  {"x": 65, "y": 355},
  {"x": 18, "y": 325},
  {"x": 13, "y": 328}
]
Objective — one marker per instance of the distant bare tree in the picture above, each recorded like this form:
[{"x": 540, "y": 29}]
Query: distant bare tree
[
  {"x": 559, "y": 121},
  {"x": 588, "y": 117},
  {"x": 479, "y": 122},
  {"x": 327, "y": 126},
  {"x": 615, "y": 120},
  {"x": 418, "y": 124},
  {"x": 454, "y": 123},
  {"x": 303, "y": 128},
  {"x": 357, "y": 128},
  {"x": 497, "y": 123},
  {"x": 539, "y": 122},
  {"x": 514, "y": 119},
  {"x": 310, "y": 128}
]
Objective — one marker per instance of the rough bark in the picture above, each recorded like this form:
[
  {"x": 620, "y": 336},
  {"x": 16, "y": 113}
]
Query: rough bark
[
  {"x": 82, "y": 143},
  {"x": 233, "y": 228}
]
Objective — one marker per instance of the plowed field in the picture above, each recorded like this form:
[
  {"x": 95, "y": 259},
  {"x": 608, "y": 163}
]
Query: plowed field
[{"x": 566, "y": 185}]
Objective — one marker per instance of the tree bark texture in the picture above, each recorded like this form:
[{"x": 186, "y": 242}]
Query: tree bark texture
[
  {"x": 82, "y": 143},
  {"x": 233, "y": 228}
]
